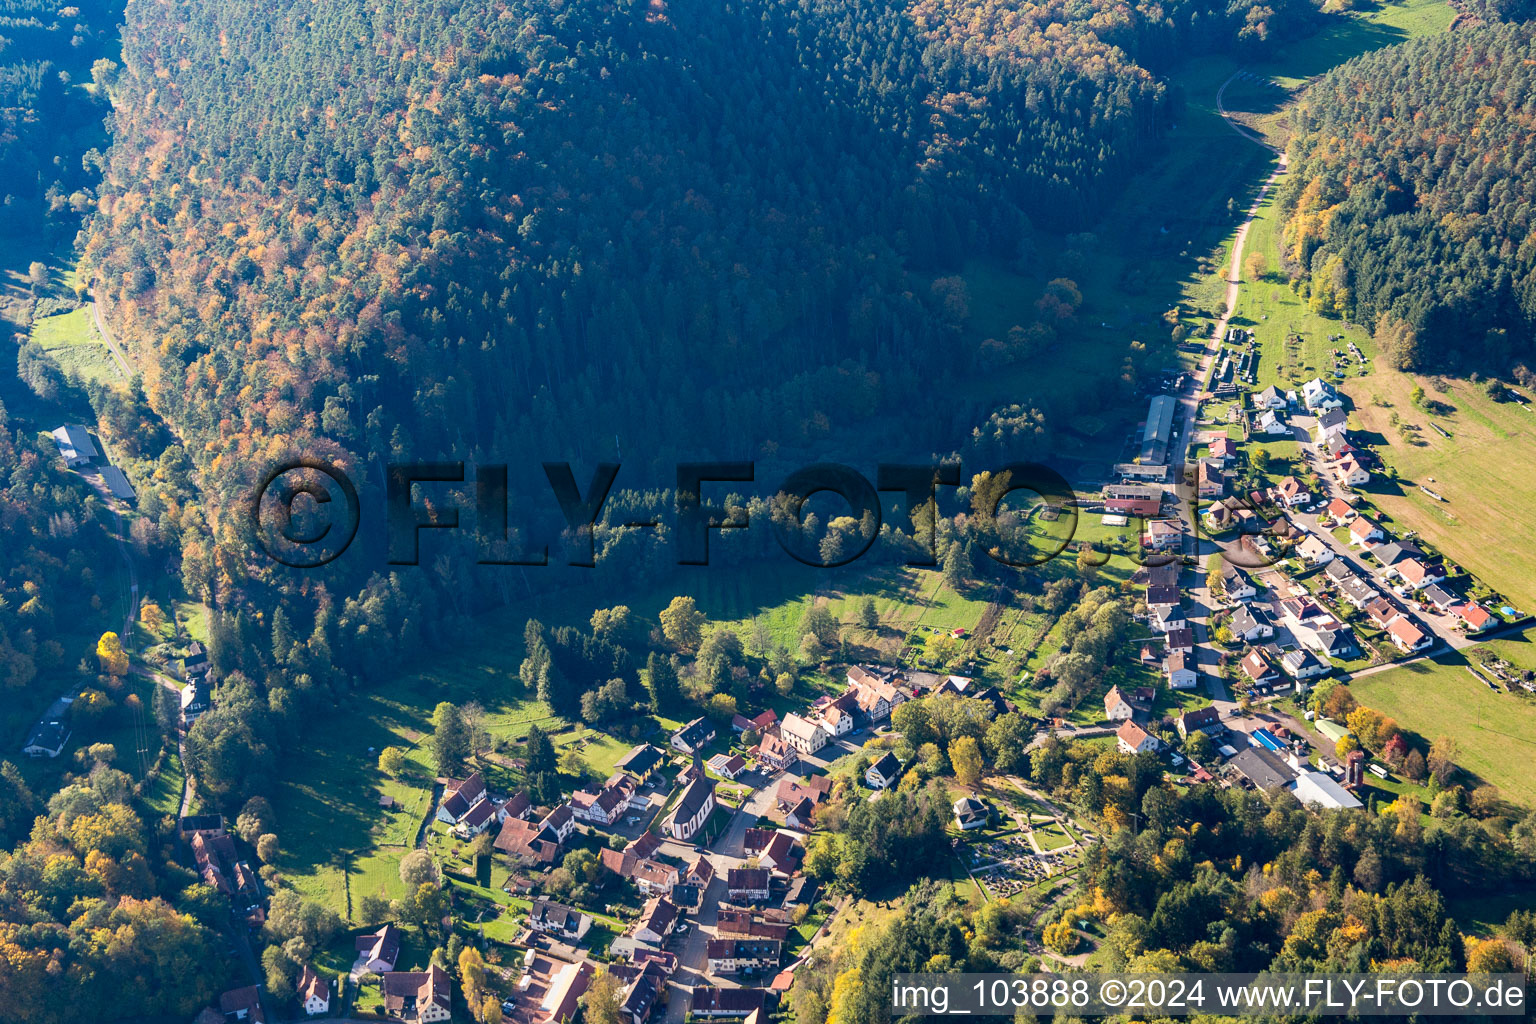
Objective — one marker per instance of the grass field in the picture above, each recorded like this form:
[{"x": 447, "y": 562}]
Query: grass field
[
  {"x": 1493, "y": 731},
  {"x": 1486, "y": 471},
  {"x": 71, "y": 340}
]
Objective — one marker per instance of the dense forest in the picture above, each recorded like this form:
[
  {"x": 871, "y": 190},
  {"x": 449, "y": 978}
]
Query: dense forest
[
  {"x": 47, "y": 119},
  {"x": 1410, "y": 200}
]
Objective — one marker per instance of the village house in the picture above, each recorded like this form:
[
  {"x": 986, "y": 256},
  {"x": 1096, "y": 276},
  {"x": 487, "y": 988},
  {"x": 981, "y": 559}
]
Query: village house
[
  {"x": 549, "y": 989},
  {"x": 643, "y": 985},
  {"x": 874, "y": 697},
  {"x": 606, "y": 805},
  {"x": 1167, "y": 618},
  {"x": 1131, "y": 738},
  {"x": 480, "y": 817},
  {"x": 1206, "y": 719},
  {"x": 651, "y": 877},
  {"x": 738, "y": 956},
  {"x": 884, "y": 772},
  {"x": 1117, "y": 708},
  {"x": 694, "y": 736},
  {"x": 774, "y": 753},
  {"x": 423, "y": 996},
  {"x": 1180, "y": 671},
  {"x": 656, "y": 920},
  {"x": 728, "y": 766},
  {"x": 378, "y": 951},
  {"x": 762, "y": 723},
  {"x": 565, "y": 923},
  {"x": 196, "y": 701},
  {"x": 1180, "y": 640},
  {"x": 805, "y": 736},
  {"x": 243, "y": 1005},
  {"x": 709, "y": 1001},
  {"x": 49, "y": 736},
  {"x": 1133, "y": 500},
  {"x": 314, "y": 992},
  {"x": 538, "y": 842},
  {"x": 641, "y": 763},
  {"x": 459, "y": 795},
  {"x": 748, "y": 885}
]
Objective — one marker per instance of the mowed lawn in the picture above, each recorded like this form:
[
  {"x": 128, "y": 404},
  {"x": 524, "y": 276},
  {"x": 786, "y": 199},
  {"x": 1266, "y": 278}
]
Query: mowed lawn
[
  {"x": 1495, "y": 733},
  {"x": 1486, "y": 471}
]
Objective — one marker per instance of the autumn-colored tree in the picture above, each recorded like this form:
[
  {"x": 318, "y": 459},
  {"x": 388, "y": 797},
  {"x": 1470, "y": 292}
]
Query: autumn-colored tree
[
  {"x": 109, "y": 651},
  {"x": 153, "y": 617},
  {"x": 965, "y": 756},
  {"x": 682, "y": 623},
  {"x": 392, "y": 761},
  {"x": 601, "y": 1003}
]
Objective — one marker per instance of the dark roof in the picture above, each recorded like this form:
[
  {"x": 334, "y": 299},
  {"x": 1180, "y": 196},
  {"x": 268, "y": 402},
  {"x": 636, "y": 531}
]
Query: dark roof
[
  {"x": 708, "y": 999},
  {"x": 1181, "y": 637},
  {"x": 1201, "y": 717},
  {"x": 1394, "y": 552},
  {"x": 693, "y": 799},
  {"x": 640, "y": 760},
  {"x": 746, "y": 879},
  {"x": 556, "y": 914},
  {"x": 1262, "y": 768},
  {"x": 888, "y": 766},
  {"x": 738, "y": 949},
  {"x": 696, "y": 733}
]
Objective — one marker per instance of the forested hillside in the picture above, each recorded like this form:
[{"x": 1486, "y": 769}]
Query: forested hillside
[
  {"x": 1411, "y": 197},
  {"x": 428, "y": 227}
]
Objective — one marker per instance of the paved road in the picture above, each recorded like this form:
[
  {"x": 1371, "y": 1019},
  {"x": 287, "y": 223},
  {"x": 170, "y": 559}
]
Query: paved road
[
  {"x": 181, "y": 742},
  {"x": 106, "y": 335}
]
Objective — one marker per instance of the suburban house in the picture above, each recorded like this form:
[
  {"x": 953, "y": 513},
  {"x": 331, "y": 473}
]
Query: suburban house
[
  {"x": 379, "y": 951},
  {"x": 75, "y": 445},
  {"x": 243, "y": 1005},
  {"x": 1180, "y": 670},
  {"x": 737, "y": 956},
  {"x": 565, "y": 923},
  {"x": 1439, "y": 597},
  {"x": 1392, "y": 553},
  {"x": 1417, "y": 574},
  {"x": 1271, "y": 423},
  {"x": 1236, "y": 584},
  {"x": 748, "y": 885},
  {"x": 799, "y": 799},
  {"x": 1117, "y": 708},
  {"x": 1166, "y": 618},
  {"x": 641, "y": 763},
  {"x": 423, "y": 996},
  {"x": 1382, "y": 612},
  {"x": 314, "y": 992},
  {"x": 971, "y": 813},
  {"x": 1475, "y": 617},
  {"x": 774, "y": 753},
  {"x": 459, "y": 796},
  {"x": 692, "y": 810},
  {"x": 1131, "y": 738},
  {"x": 728, "y": 766},
  {"x": 1349, "y": 472},
  {"x": 1357, "y": 592},
  {"x": 1258, "y": 669},
  {"x": 1314, "y": 550},
  {"x": 1223, "y": 450},
  {"x": 1331, "y": 421},
  {"x": 1299, "y": 664},
  {"x": 1270, "y": 398},
  {"x": 1252, "y": 623},
  {"x": 805, "y": 736},
  {"x": 1292, "y": 492},
  {"x": 1319, "y": 394},
  {"x": 1407, "y": 636},
  {"x": 1340, "y": 511},
  {"x": 693, "y": 736},
  {"x": 884, "y": 772},
  {"x": 1180, "y": 640},
  {"x": 1202, "y": 720},
  {"x": 1363, "y": 531},
  {"x": 655, "y": 921}
]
